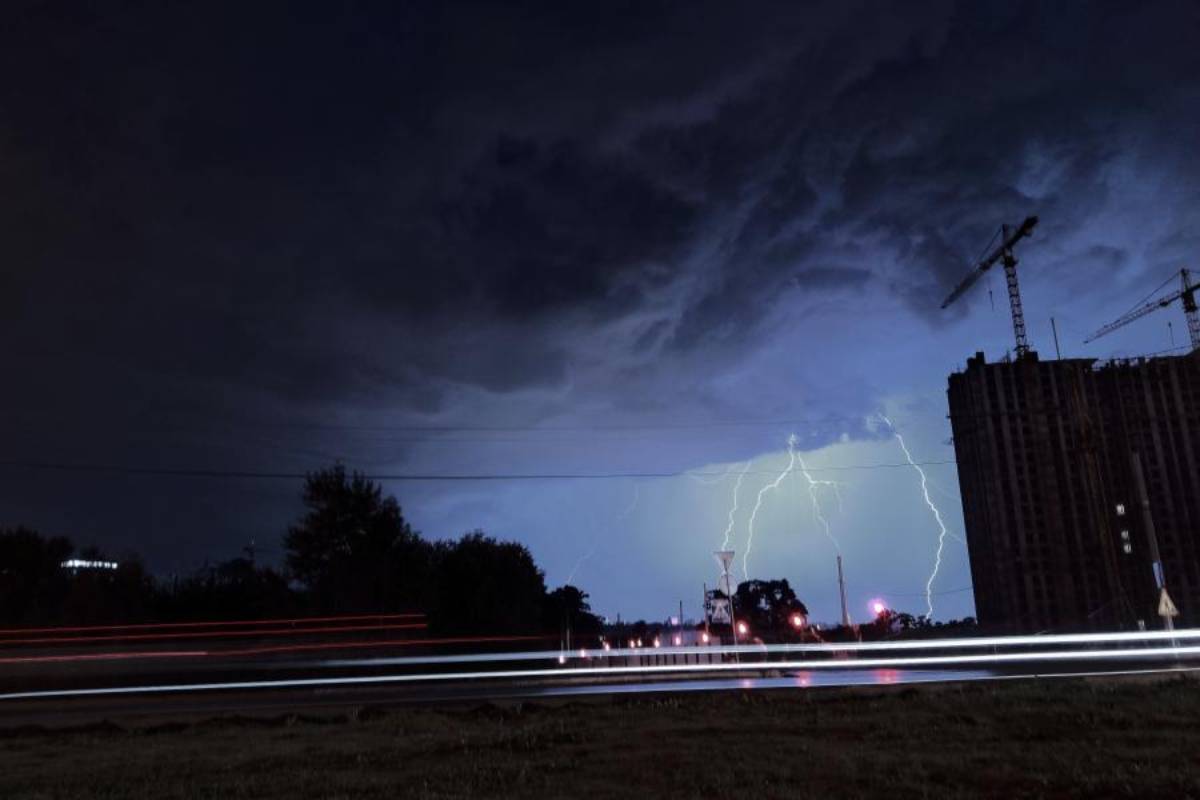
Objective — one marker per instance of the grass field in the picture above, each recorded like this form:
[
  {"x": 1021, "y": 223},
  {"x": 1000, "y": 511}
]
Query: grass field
[{"x": 1061, "y": 738}]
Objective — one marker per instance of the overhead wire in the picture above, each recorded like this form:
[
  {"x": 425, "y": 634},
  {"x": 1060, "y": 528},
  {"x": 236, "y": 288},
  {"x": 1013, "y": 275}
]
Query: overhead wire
[{"x": 413, "y": 476}]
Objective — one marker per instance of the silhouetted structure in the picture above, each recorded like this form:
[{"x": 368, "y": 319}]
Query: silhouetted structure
[{"x": 1054, "y": 519}]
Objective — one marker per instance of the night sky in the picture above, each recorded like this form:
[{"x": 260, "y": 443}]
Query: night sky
[{"x": 560, "y": 239}]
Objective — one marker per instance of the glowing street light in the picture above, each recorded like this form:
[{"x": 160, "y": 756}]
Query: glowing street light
[
  {"x": 743, "y": 628},
  {"x": 878, "y": 607},
  {"x": 797, "y": 621}
]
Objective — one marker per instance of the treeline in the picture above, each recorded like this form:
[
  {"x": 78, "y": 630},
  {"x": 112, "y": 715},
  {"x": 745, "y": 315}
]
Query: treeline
[{"x": 352, "y": 551}]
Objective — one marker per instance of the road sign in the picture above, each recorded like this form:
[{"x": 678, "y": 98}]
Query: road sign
[{"x": 1165, "y": 607}]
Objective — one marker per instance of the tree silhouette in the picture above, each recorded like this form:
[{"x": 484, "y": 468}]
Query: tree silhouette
[
  {"x": 32, "y": 582},
  {"x": 567, "y": 607},
  {"x": 353, "y": 550},
  {"x": 767, "y": 605},
  {"x": 484, "y": 585},
  {"x": 234, "y": 589}
]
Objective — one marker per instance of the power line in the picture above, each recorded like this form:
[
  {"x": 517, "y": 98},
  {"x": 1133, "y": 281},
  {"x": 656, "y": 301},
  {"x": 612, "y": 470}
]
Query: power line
[
  {"x": 118, "y": 469},
  {"x": 922, "y": 594},
  {"x": 530, "y": 428}
]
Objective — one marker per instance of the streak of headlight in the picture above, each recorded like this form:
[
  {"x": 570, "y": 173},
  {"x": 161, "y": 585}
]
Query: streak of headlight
[
  {"x": 791, "y": 445},
  {"x": 212, "y": 634},
  {"x": 78, "y": 657},
  {"x": 268, "y": 649},
  {"x": 937, "y": 515},
  {"x": 990, "y": 642},
  {"x": 567, "y": 672},
  {"x": 211, "y": 623},
  {"x": 737, "y": 485}
]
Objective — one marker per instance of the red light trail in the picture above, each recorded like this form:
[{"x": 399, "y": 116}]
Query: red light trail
[{"x": 212, "y": 623}]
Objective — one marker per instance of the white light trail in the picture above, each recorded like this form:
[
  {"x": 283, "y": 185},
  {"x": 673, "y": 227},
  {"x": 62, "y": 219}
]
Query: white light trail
[
  {"x": 965, "y": 643},
  {"x": 791, "y": 445},
  {"x": 569, "y": 672},
  {"x": 737, "y": 486},
  {"x": 937, "y": 515}
]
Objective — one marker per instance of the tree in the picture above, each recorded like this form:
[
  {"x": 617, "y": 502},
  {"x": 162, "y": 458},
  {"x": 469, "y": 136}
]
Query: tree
[
  {"x": 766, "y": 605},
  {"x": 125, "y": 594},
  {"x": 484, "y": 585},
  {"x": 353, "y": 550},
  {"x": 567, "y": 606},
  {"x": 235, "y": 589},
  {"x": 32, "y": 581}
]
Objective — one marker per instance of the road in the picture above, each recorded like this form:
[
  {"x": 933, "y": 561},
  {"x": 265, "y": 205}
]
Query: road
[{"x": 78, "y": 676}]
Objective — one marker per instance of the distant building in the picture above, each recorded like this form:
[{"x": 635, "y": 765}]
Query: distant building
[
  {"x": 76, "y": 565},
  {"x": 1054, "y": 519}
]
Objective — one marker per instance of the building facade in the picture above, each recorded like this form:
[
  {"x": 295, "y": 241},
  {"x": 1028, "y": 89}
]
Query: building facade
[{"x": 1056, "y": 528}]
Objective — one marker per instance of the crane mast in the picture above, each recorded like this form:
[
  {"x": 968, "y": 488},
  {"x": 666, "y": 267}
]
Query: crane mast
[
  {"x": 1187, "y": 297},
  {"x": 1009, "y": 236}
]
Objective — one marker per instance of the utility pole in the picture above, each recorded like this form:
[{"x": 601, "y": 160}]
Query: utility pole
[
  {"x": 1166, "y": 608},
  {"x": 842, "y": 591}
]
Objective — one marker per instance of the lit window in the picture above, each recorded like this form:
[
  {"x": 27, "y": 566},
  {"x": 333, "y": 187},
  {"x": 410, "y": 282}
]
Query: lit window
[
  {"x": 1120, "y": 509},
  {"x": 1127, "y": 547}
]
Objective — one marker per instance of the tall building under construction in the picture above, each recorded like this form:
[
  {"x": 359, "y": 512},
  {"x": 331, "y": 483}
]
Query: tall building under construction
[{"x": 1062, "y": 531}]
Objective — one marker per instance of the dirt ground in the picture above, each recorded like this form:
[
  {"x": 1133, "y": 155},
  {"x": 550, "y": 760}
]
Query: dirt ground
[{"x": 1062, "y": 738}]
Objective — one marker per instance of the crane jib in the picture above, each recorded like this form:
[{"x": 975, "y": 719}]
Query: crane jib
[
  {"x": 1186, "y": 294},
  {"x": 1012, "y": 236}
]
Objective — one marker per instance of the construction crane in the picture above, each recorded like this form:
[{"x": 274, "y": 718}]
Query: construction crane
[
  {"x": 1009, "y": 236},
  {"x": 1186, "y": 293}
]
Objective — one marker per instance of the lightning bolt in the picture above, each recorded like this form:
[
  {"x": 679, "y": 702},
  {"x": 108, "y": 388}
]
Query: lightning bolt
[
  {"x": 937, "y": 515},
  {"x": 637, "y": 493},
  {"x": 818, "y": 513},
  {"x": 737, "y": 485},
  {"x": 791, "y": 444},
  {"x": 592, "y": 550}
]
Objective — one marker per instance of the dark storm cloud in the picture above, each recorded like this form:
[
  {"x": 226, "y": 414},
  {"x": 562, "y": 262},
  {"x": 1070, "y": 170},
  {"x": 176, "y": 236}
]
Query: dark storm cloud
[
  {"x": 245, "y": 213},
  {"x": 544, "y": 228}
]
